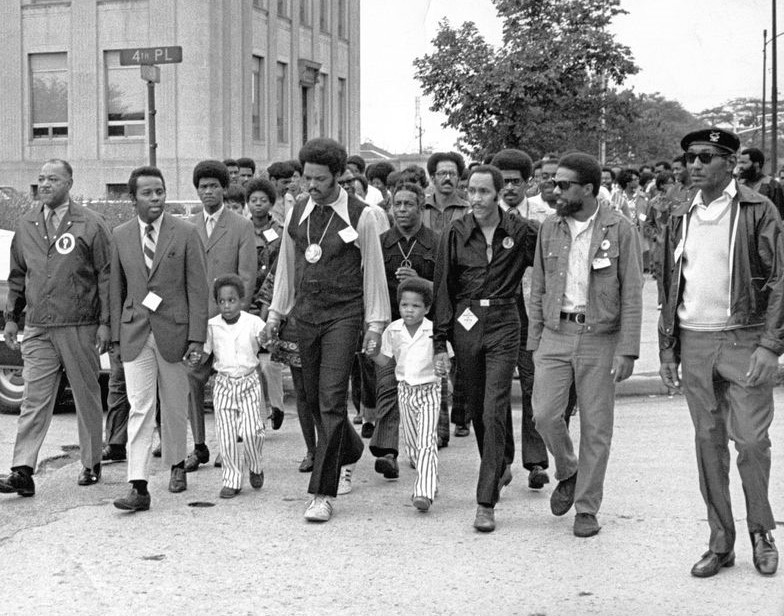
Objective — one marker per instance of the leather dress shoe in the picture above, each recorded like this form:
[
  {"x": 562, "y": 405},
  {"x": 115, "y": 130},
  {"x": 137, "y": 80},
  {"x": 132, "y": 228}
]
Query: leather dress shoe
[
  {"x": 114, "y": 453},
  {"x": 766, "y": 556},
  {"x": 218, "y": 461},
  {"x": 178, "y": 481},
  {"x": 18, "y": 482},
  {"x": 462, "y": 430},
  {"x": 195, "y": 458},
  {"x": 585, "y": 525},
  {"x": 276, "y": 417},
  {"x": 485, "y": 519},
  {"x": 442, "y": 442},
  {"x": 537, "y": 477},
  {"x": 421, "y": 503},
  {"x": 562, "y": 498},
  {"x": 227, "y": 492},
  {"x": 307, "y": 463},
  {"x": 256, "y": 480},
  {"x": 367, "y": 430},
  {"x": 387, "y": 466},
  {"x": 89, "y": 476},
  {"x": 133, "y": 502},
  {"x": 711, "y": 563}
]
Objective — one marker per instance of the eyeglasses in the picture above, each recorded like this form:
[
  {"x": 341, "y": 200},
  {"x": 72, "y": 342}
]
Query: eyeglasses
[
  {"x": 563, "y": 185},
  {"x": 346, "y": 182},
  {"x": 705, "y": 157},
  {"x": 446, "y": 174},
  {"x": 513, "y": 181}
]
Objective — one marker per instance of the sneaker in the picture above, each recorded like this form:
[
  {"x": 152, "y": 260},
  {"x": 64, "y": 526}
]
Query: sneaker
[
  {"x": 367, "y": 430},
  {"x": 196, "y": 457},
  {"x": 537, "y": 477},
  {"x": 344, "y": 485},
  {"x": 256, "y": 480},
  {"x": 18, "y": 482},
  {"x": 319, "y": 509},
  {"x": 421, "y": 503}
]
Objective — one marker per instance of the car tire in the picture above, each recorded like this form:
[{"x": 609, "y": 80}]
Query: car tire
[{"x": 11, "y": 390}]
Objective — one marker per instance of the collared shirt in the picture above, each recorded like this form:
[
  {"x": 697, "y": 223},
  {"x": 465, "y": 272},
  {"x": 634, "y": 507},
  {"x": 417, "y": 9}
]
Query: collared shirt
[
  {"x": 215, "y": 218},
  {"x": 413, "y": 354},
  {"x": 282, "y": 206},
  {"x": 235, "y": 345},
  {"x": 58, "y": 211},
  {"x": 577, "y": 274},
  {"x": 421, "y": 250},
  {"x": 156, "y": 225},
  {"x": 375, "y": 295},
  {"x": 463, "y": 272},
  {"x": 706, "y": 299},
  {"x": 438, "y": 220},
  {"x": 534, "y": 208}
]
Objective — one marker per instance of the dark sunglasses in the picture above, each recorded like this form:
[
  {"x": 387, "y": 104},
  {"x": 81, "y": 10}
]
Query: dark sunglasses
[
  {"x": 565, "y": 184},
  {"x": 705, "y": 157}
]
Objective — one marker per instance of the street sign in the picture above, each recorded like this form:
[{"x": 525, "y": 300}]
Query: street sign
[
  {"x": 150, "y": 55},
  {"x": 151, "y": 73}
]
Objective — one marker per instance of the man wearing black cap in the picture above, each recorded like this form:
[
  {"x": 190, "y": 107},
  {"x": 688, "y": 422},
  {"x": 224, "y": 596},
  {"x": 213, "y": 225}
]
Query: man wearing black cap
[{"x": 723, "y": 321}]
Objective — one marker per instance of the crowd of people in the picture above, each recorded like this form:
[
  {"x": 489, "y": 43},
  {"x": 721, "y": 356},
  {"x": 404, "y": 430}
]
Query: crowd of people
[{"x": 414, "y": 294}]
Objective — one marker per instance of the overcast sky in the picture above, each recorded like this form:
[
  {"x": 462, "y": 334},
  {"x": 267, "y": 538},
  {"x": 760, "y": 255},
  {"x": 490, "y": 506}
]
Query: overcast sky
[{"x": 698, "y": 52}]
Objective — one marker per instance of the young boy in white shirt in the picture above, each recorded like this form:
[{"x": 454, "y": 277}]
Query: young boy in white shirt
[
  {"x": 409, "y": 340},
  {"x": 233, "y": 337}
]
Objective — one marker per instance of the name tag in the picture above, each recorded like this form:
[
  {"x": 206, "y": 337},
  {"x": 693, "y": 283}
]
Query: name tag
[
  {"x": 348, "y": 235},
  {"x": 270, "y": 235},
  {"x": 468, "y": 319},
  {"x": 152, "y": 301},
  {"x": 679, "y": 250},
  {"x": 600, "y": 263}
]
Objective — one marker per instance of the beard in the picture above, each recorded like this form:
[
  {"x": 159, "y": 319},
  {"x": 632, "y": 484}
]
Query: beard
[
  {"x": 567, "y": 208},
  {"x": 749, "y": 174}
]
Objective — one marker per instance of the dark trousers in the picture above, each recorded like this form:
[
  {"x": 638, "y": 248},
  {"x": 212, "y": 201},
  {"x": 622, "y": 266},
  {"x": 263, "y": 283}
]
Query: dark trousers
[
  {"x": 363, "y": 384},
  {"x": 387, "y": 433},
  {"x": 116, "y": 431},
  {"x": 723, "y": 406},
  {"x": 197, "y": 379},
  {"x": 306, "y": 422},
  {"x": 486, "y": 354},
  {"x": 327, "y": 351}
]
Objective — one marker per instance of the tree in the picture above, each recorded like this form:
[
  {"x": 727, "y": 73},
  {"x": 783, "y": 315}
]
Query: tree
[{"x": 544, "y": 89}]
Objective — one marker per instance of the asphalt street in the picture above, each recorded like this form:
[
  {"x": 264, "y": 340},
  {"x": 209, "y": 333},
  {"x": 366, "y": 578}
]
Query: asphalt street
[{"x": 69, "y": 551}]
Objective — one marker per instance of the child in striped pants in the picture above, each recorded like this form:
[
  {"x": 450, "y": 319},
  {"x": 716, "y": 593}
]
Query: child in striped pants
[
  {"x": 409, "y": 341},
  {"x": 233, "y": 337}
]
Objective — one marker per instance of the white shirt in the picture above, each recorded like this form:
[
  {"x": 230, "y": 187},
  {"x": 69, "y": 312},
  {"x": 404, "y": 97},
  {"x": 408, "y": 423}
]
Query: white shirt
[
  {"x": 373, "y": 196},
  {"x": 235, "y": 346},
  {"x": 577, "y": 274},
  {"x": 706, "y": 263},
  {"x": 533, "y": 208},
  {"x": 413, "y": 354},
  {"x": 215, "y": 218}
]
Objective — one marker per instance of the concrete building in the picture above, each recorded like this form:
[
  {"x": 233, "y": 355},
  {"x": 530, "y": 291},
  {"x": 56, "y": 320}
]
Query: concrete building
[{"x": 257, "y": 79}]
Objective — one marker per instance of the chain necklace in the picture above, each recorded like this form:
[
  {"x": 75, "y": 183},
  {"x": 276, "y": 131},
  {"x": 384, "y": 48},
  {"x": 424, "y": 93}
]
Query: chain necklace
[
  {"x": 405, "y": 262},
  {"x": 313, "y": 251}
]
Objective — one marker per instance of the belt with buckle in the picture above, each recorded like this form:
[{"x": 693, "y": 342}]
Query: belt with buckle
[
  {"x": 577, "y": 317},
  {"x": 498, "y": 301}
]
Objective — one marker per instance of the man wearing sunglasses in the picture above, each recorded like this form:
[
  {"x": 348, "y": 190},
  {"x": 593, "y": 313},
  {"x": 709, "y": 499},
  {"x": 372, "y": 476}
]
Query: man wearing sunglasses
[
  {"x": 584, "y": 328},
  {"x": 723, "y": 322}
]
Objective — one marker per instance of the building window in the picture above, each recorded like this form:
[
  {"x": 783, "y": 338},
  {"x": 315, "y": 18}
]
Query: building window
[
  {"x": 258, "y": 82},
  {"x": 342, "y": 115},
  {"x": 283, "y": 8},
  {"x": 305, "y": 12},
  {"x": 260, "y": 4},
  {"x": 125, "y": 98},
  {"x": 342, "y": 19},
  {"x": 324, "y": 16},
  {"x": 117, "y": 192},
  {"x": 282, "y": 102},
  {"x": 323, "y": 89},
  {"x": 49, "y": 95}
]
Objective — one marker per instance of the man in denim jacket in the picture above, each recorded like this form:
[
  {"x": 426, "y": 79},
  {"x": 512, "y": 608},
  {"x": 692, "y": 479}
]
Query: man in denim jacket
[
  {"x": 723, "y": 322},
  {"x": 585, "y": 315}
]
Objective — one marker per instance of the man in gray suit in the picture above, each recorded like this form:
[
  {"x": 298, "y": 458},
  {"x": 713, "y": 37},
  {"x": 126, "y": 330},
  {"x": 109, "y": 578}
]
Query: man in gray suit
[
  {"x": 158, "y": 299},
  {"x": 230, "y": 245}
]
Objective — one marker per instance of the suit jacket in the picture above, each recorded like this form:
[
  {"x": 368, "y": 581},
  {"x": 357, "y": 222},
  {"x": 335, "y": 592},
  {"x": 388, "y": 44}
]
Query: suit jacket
[
  {"x": 231, "y": 249},
  {"x": 178, "y": 276}
]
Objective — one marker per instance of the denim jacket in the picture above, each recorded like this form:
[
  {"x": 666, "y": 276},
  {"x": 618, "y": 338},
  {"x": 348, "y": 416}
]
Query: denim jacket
[{"x": 614, "y": 295}]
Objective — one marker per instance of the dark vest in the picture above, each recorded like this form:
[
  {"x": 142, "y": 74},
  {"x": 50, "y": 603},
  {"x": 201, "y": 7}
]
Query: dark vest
[{"x": 331, "y": 288}]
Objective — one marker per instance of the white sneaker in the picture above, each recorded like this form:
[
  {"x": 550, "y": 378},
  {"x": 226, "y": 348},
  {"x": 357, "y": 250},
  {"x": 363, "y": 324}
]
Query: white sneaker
[
  {"x": 344, "y": 485},
  {"x": 319, "y": 509}
]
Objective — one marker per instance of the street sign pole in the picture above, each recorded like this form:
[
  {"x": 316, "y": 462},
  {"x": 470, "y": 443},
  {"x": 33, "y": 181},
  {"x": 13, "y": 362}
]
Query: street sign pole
[{"x": 148, "y": 58}]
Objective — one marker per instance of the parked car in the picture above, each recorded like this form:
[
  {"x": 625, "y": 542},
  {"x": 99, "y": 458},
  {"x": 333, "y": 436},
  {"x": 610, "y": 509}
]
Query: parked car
[{"x": 11, "y": 382}]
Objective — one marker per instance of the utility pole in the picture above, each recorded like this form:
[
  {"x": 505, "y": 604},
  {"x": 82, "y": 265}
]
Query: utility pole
[
  {"x": 774, "y": 99},
  {"x": 764, "y": 70},
  {"x": 418, "y": 124}
]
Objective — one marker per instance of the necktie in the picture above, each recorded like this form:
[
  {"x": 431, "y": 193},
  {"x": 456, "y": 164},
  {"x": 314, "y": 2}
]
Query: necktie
[
  {"x": 149, "y": 247},
  {"x": 51, "y": 225},
  {"x": 210, "y": 225},
  {"x": 514, "y": 212}
]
